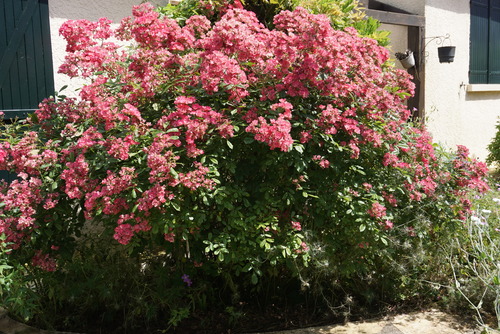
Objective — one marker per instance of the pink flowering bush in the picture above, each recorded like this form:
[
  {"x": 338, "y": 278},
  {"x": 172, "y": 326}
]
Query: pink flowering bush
[{"x": 229, "y": 150}]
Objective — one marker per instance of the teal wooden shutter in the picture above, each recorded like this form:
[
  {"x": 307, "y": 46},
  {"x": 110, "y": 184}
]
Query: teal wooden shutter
[
  {"x": 484, "y": 66},
  {"x": 494, "y": 43},
  {"x": 479, "y": 36},
  {"x": 26, "y": 71}
]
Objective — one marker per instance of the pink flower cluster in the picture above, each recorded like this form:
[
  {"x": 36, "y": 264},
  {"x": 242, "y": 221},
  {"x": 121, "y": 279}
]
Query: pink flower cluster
[
  {"x": 377, "y": 210},
  {"x": 20, "y": 199},
  {"x": 125, "y": 231},
  {"x": 276, "y": 134},
  {"x": 301, "y": 54},
  {"x": 196, "y": 120},
  {"x": 296, "y": 226},
  {"x": 44, "y": 261},
  {"x": 76, "y": 177}
]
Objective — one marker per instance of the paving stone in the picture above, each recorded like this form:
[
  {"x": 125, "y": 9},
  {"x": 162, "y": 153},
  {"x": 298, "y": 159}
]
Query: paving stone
[{"x": 390, "y": 329}]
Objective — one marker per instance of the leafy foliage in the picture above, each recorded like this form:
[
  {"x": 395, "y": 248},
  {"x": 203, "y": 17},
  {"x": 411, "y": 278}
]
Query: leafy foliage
[
  {"x": 494, "y": 147},
  {"x": 342, "y": 13},
  {"x": 225, "y": 152}
]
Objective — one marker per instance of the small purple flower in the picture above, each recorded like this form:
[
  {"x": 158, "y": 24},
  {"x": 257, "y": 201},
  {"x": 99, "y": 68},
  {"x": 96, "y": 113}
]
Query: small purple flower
[{"x": 186, "y": 279}]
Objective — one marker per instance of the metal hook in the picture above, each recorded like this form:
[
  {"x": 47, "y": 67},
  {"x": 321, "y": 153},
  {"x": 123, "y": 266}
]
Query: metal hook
[{"x": 440, "y": 39}]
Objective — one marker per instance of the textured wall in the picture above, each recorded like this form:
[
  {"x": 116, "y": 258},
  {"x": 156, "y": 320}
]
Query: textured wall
[
  {"x": 399, "y": 40},
  {"x": 455, "y": 116},
  {"x": 62, "y": 10}
]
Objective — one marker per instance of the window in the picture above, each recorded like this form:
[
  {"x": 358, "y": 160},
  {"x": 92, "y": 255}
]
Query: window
[{"x": 484, "y": 66}]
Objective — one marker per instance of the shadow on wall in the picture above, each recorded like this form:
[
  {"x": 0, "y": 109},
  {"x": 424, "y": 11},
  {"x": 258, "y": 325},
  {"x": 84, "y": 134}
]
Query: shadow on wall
[
  {"x": 93, "y": 10},
  {"x": 456, "y": 6},
  {"x": 482, "y": 96},
  {"x": 397, "y": 6}
]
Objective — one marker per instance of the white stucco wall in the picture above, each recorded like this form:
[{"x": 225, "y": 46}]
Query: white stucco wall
[{"x": 455, "y": 116}]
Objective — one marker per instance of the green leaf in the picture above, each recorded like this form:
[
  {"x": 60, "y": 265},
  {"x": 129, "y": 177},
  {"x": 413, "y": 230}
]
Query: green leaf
[
  {"x": 53, "y": 186},
  {"x": 255, "y": 279},
  {"x": 384, "y": 241},
  {"x": 248, "y": 140},
  {"x": 362, "y": 228},
  {"x": 176, "y": 206},
  {"x": 4, "y": 267},
  {"x": 229, "y": 144},
  {"x": 174, "y": 173},
  {"x": 172, "y": 130},
  {"x": 134, "y": 209}
]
